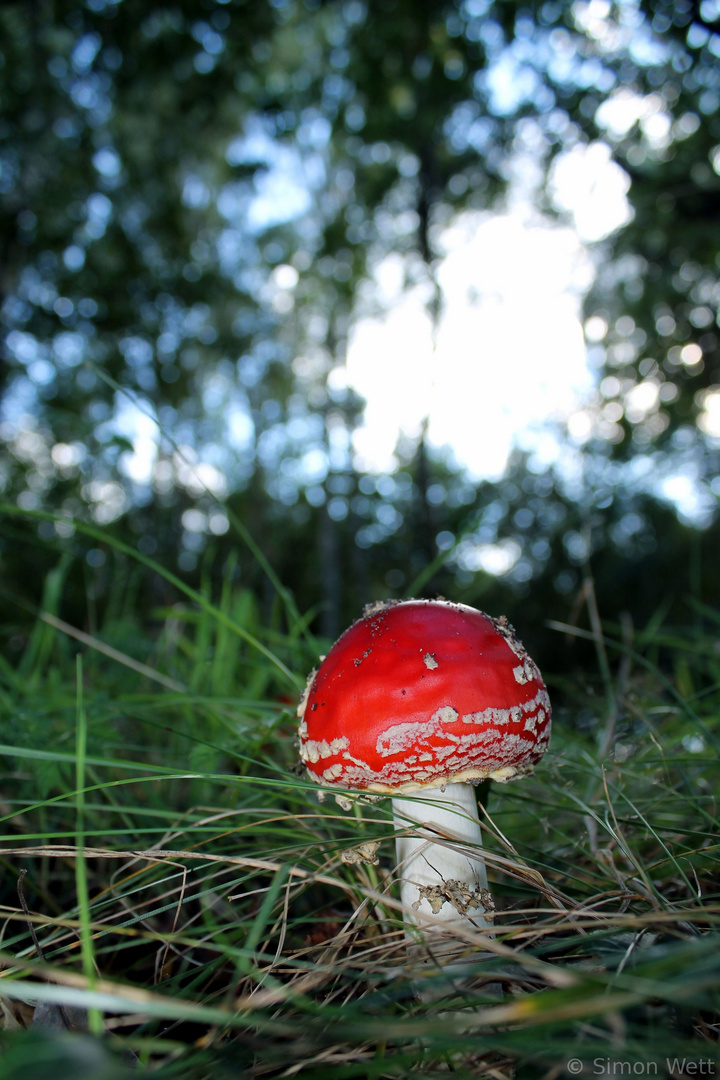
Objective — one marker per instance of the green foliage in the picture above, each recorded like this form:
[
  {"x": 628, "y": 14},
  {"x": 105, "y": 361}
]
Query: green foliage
[{"x": 661, "y": 272}]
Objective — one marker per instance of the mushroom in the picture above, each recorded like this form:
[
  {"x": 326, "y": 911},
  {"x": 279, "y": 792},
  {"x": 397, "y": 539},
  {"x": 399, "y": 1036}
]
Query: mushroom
[{"x": 428, "y": 697}]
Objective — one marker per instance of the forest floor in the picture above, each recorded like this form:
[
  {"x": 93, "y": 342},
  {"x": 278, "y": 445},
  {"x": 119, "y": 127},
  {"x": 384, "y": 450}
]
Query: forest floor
[{"x": 175, "y": 901}]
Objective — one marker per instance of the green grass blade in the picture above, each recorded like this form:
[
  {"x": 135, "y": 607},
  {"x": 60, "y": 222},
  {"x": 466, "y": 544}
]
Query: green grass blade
[{"x": 95, "y": 1020}]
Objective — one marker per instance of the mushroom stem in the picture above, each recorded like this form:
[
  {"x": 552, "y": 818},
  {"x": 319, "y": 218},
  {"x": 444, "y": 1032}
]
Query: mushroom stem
[{"x": 441, "y": 868}]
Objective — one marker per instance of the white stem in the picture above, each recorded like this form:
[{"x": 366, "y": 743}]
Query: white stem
[{"x": 441, "y": 866}]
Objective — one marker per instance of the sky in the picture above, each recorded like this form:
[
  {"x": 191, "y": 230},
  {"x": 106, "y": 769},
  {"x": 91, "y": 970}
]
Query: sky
[
  {"x": 507, "y": 366},
  {"x": 509, "y": 356},
  {"x": 509, "y": 352}
]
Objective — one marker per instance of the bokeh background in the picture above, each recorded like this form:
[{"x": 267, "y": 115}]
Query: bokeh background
[{"x": 381, "y": 296}]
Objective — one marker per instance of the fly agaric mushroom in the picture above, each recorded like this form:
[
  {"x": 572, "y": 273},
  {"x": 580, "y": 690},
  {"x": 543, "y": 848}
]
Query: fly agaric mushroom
[{"x": 427, "y": 696}]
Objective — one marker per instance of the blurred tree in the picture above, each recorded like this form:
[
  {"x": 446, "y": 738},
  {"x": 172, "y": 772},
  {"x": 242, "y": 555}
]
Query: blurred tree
[
  {"x": 194, "y": 198},
  {"x": 652, "y": 321}
]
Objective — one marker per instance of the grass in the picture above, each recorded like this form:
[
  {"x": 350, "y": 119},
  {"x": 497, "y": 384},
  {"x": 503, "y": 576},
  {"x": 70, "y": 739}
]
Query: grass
[{"x": 188, "y": 889}]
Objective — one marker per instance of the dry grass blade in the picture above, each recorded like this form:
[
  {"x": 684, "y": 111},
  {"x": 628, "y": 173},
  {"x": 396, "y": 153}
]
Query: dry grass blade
[{"x": 112, "y": 654}]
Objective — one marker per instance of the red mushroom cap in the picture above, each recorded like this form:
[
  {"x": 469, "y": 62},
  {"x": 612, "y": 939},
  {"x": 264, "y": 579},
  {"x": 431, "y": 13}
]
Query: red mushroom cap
[{"x": 423, "y": 693}]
